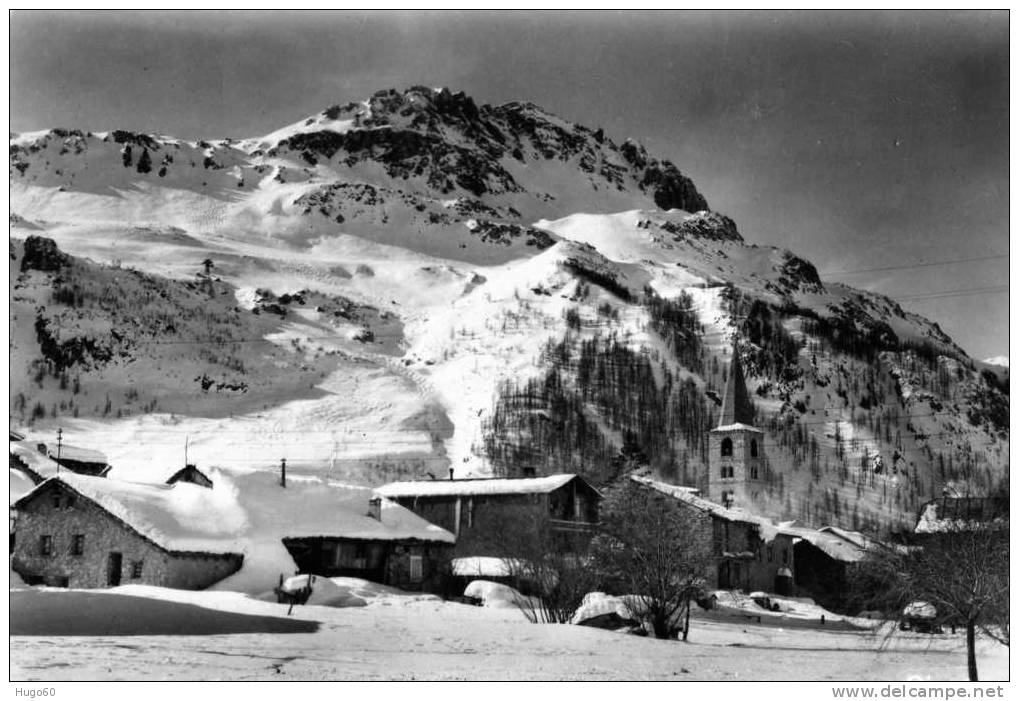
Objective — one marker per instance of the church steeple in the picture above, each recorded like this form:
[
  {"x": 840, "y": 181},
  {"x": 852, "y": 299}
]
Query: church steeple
[
  {"x": 736, "y": 406},
  {"x": 737, "y": 462}
]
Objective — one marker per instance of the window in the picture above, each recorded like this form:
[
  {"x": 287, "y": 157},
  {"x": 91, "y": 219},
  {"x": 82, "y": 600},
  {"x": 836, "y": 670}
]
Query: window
[
  {"x": 753, "y": 447},
  {"x": 470, "y": 513},
  {"x": 136, "y": 569},
  {"x": 78, "y": 544},
  {"x": 46, "y": 545},
  {"x": 753, "y": 472},
  {"x": 726, "y": 447},
  {"x": 55, "y": 500},
  {"x": 771, "y": 553},
  {"x": 416, "y": 568},
  {"x": 529, "y": 472}
]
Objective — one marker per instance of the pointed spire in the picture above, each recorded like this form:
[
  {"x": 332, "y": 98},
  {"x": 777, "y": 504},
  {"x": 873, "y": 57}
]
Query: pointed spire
[{"x": 736, "y": 406}]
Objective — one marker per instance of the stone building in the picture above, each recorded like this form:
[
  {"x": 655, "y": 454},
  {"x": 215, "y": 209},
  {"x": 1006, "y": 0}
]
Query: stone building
[
  {"x": 736, "y": 466},
  {"x": 86, "y": 532},
  {"x": 750, "y": 552}
]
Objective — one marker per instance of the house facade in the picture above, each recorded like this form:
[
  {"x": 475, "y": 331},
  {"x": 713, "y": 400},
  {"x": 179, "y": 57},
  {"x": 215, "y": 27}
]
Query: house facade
[
  {"x": 750, "y": 553},
  {"x": 66, "y": 537},
  {"x": 477, "y": 511},
  {"x": 409, "y": 564}
]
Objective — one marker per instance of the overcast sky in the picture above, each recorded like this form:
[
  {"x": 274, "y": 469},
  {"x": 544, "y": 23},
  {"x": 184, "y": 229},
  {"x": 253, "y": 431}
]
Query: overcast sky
[{"x": 859, "y": 140}]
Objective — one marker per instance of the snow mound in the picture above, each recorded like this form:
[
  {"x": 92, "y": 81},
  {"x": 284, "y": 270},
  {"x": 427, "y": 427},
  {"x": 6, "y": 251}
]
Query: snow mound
[
  {"x": 495, "y": 595},
  {"x": 324, "y": 591},
  {"x": 598, "y": 603}
]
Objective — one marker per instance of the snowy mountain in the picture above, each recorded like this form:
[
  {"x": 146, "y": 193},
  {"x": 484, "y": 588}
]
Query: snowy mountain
[{"x": 415, "y": 282}]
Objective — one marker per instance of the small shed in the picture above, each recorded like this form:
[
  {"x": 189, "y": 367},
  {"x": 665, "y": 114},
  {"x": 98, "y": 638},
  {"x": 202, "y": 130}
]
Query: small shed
[
  {"x": 81, "y": 460},
  {"x": 87, "y": 532},
  {"x": 192, "y": 475}
]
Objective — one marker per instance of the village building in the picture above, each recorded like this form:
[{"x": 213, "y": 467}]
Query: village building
[
  {"x": 477, "y": 511},
  {"x": 192, "y": 475},
  {"x": 824, "y": 561},
  {"x": 962, "y": 513},
  {"x": 750, "y": 552},
  {"x": 380, "y": 541},
  {"x": 80, "y": 460},
  {"x": 85, "y": 532},
  {"x": 736, "y": 466},
  {"x": 28, "y": 461}
]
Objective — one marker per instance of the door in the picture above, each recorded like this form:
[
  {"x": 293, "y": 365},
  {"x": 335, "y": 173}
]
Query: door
[{"x": 113, "y": 569}]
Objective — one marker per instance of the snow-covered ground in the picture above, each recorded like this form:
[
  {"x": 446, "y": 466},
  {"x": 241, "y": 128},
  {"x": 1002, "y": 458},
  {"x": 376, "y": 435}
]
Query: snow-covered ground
[{"x": 137, "y": 632}]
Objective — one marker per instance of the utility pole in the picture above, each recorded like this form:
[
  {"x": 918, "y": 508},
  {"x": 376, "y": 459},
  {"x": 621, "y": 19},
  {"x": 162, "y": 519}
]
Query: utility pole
[
  {"x": 283, "y": 472},
  {"x": 60, "y": 440}
]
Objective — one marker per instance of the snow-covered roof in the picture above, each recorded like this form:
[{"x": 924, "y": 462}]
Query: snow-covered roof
[
  {"x": 767, "y": 529},
  {"x": 738, "y": 427},
  {"x": 34, "y": 460},
  {"x": 188, "y": 517},
  {"x": 182, "y": 517},
  {"x": 474, "y": 487},
  {"x": 481, "y": 567},
  {"x": 72, "y": 452},
  {"x": 830, "y": 544}
]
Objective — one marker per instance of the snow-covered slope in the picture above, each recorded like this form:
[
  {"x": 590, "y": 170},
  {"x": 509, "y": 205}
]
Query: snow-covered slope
[{"x": 446, "y": 255}]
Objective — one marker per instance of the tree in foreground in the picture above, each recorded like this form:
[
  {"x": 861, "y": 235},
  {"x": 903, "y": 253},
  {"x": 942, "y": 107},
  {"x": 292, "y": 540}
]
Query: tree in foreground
[
  {"x": 961, "y": 572},
  {"x": 550, "y": 568},
  {"x": 657, "y": 552}
]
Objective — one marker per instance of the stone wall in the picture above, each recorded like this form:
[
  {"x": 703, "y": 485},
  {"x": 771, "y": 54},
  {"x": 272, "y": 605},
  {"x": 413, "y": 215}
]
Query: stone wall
[
  {"x": 747, "y": 470},
  {"x": 103, "y": 534}
]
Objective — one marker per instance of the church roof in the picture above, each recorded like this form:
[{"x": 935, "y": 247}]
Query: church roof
[{"x": 736, "y": 406}]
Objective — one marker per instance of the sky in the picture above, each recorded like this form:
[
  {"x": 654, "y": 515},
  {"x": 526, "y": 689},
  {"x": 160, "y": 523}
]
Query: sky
[{"x": 859, "y": 140}]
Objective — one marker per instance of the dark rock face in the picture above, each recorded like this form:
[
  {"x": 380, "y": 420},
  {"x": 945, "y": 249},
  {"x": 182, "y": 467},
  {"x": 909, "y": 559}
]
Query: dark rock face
[
  {"x": 800, "y": 271},
  {"x": 705, "y": 225},
  {"x": 451, "y": 142},
  {"x": 42, "y": 254}
]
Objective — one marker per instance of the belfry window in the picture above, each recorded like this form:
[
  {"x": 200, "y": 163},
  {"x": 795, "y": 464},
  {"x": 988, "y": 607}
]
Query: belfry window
[
  {"x": 753, "y": 447},
  {"x": 726, "y": 447}
]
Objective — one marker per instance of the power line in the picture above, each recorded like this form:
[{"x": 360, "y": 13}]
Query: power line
[
  {"x": 931, "y": 264},
  {"x": 991, "y": 289}
]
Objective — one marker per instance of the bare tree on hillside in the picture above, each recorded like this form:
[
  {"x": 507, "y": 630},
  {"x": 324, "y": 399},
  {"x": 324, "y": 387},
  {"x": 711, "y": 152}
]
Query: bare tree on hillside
[
  {"x": 962, "y": 572},
  {"x": 656, "y": 551}
]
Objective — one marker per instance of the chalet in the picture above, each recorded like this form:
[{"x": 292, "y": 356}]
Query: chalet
[
  {"x": 374, "y": 539},
  {"x": 750, "y": 552},
  {"x": 476, "y": 509},
  {"x": 80, "y": 460},
  {"x": 85, "y": 532}
]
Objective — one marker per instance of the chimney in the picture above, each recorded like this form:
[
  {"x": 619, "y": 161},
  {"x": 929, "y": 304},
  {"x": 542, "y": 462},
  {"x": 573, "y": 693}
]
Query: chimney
[
  {"x": 375, "y": 508},
  {"x": 451, "y": 474},
  {"x": 283, "y": 472}
]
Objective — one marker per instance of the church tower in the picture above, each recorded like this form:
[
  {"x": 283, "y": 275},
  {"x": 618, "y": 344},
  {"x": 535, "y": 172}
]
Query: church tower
[{"x": 736, "y": 447}]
